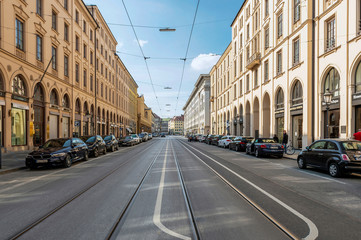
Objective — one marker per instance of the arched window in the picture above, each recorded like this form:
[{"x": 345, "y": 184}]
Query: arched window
[
  {"x": 297, "y": 94},
  {"x": 18, "y": 86},
  {"x": 54, "y": 98},
  {"x": 86, "y": 110},
  {"x": 1, "y": 82},
  {"x": 332, "y": 82},
  {"x": 38, "y": 93},
  {"x": 280, "y": 99},
  {"x": 358, "y": 78},
  {"x": 77, "y": 106},
  {"x": 66, "y": 102}
]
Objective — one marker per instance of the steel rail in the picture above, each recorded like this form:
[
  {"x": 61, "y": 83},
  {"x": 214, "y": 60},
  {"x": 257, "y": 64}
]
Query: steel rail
[{"x": 65, "y": 203}]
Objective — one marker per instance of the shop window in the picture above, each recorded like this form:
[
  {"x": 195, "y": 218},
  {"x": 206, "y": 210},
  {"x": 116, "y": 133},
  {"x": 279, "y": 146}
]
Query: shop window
[
  {"x": 18, "y": 127},
  {"x": 332, "y": 83},
  {"x": 358, "y": 78},
  {"x": 297, "y": 94},
  {"x": 77, "y": 106},
  {"x": 280, "y": 99},
  {"x": 54, "y": 98},
  {"x": 38, "y": 93},
  {"x": 66, "y": 102},
  {"x": 18, "y": 86}
]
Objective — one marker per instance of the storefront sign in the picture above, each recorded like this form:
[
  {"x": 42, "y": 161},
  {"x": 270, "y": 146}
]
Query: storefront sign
[
  {"x": 20, "y": 106},
  {"x": 333, "y": 101},
  {"x": 356, "y": 96}
]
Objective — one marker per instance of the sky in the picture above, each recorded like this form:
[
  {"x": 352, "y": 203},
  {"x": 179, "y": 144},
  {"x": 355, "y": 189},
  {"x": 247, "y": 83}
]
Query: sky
[{"x": 165, "y": 50}]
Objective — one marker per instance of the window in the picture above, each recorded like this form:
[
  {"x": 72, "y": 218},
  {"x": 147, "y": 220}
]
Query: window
[
  {"x": 296, "y": 11},
  {"x": 66, "y": 101},
  {"x": 84, "y": 26},
  {"x": 19, "y": 34},
  {"x": 247, "y": 31},
  {"x": 18, "y": 86},
  {"x": 256, "y": 21},
  {"x": 54, "y": 98},
  {"x": 77, "y": 16},
  {"x": 266, "y": 71},
  {"x": 279, "y": 62},
  {"x": 101, "y": 89},
  {"x": 77, "y": 43},
  {"x": 318, "y": 145},
  {"x": 66, "y": 66},
  {"x": 84, "y": 51},
  {"x": 66, "y": 4},
  {"x": 241, "y": 87},
  {"x": 54, "y": 55},
  {"x": 39, "y": 7},
  {"x": 279, "y": 25},
  {"x": 235, "y": 68},
  {"x": 256, "y": 78},
  {"x": 331, "y": 146},
  {"x": 280, "y": 99},
  {"x": 84, "y": 77},
  {"x": 266, "y": 8},
  {"x": 91, "y": 82},
  {"x": 266, "y": 38},
  {"x": 66, "y": 32},
  {"x": 330, "y": 38},
  {"x": 91, "y": 35},
  {"x": 296, "y": 51},
  {"x": 77, "y": 72},
  {"x": 54, "y": 24},
  {"x": 247, "y": 83},
  {"x": 106, "y": 92},
  {"x": 297, "y": 94},
  {"x": 332, "y": 83},
  {"x": 91, "y": 57},
  {"x": 241, "y": 63},
  {"x": 358, "y": 78},
  {"x": 101, "y": 49},
  {"x": 101, "y": 68},
  {"x": 39, "y": 48}
]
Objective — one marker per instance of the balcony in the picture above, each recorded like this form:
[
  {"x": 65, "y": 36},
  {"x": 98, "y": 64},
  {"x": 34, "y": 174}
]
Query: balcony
[{"x": 254, "y": 60}]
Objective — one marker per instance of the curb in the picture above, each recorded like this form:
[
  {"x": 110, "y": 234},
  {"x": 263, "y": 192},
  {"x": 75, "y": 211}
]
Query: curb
[
  {"x": 11, "y": 170},
  {"x": 289, "y": 158}
]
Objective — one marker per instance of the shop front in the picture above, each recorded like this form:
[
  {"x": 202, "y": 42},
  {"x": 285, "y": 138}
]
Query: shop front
[
  {"x": 19, "y": 114},
  {"x": 53, "y": 125},
  {"x": 296, "y": 112},
  {"x": 66, "y": 126},
  {"x": 39, "y": 116}
]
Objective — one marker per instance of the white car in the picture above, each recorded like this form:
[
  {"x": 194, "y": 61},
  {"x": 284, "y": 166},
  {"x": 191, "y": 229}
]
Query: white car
[
  {"x": 136, "y": 137},
  {"x": 225, "y": 140}
]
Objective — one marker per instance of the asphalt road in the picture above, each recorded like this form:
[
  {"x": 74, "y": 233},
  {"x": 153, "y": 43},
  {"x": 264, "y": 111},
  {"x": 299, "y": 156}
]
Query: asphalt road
[{"x": 168, "y": 188}]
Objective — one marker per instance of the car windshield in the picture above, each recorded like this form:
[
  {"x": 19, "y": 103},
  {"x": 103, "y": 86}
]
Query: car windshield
[
  {"x": 266, "y": 140},
  {"x": 90, "y": 140},
  {"x": 141, "y": 135},
  {"x": 128, "y": 138},
  {"x": 134, "y": 135},
  {"x": 232, "y": 138},
  {"x": 108, "y": 138},
  {"x": 352, "y": 146},
  {"x": 57, "y": 143}
]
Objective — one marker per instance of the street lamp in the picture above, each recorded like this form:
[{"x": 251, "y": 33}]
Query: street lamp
[{"x": 327, "y": 96}]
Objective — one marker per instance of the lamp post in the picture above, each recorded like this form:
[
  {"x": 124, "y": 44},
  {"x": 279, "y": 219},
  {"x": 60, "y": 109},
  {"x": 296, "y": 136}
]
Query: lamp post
[{"x": 327, "y": 96}]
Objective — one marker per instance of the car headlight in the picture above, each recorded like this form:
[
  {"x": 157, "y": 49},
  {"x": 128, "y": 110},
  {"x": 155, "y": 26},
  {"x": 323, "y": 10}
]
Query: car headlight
[{"x": 58, "y": 155}]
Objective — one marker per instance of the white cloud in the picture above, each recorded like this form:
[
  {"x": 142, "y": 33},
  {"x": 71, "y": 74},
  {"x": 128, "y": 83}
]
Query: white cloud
[
  {"x": 141, "y": 42},
  {"x": 204, "y": 62}
]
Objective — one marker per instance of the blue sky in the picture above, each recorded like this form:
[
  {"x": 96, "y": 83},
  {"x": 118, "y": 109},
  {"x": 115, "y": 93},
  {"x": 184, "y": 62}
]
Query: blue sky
[{"x": 211, "y": 35}]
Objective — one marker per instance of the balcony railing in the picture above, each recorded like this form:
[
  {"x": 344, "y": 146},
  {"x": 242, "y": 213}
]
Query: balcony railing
[{"x": 254, "y": 60}]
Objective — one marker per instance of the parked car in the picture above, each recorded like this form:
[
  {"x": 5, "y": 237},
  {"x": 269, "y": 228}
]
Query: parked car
[
  {"x": 111, "y": 143},
  {"x": 95, "y": 145},
  {"x": 265, "y": 147},
  {"x": 129, "y": 141},
  {"x": 150, "y": 136},
  {"x": 337, "y": 156},
  {"x": 224, "y": 141},
  {"x": 60, "y": 151},
  {"x": 208, "y": 139},
  {"x": 136, "y": 137},
  {"x": 155, "y": 135},
  {"x": 239, "y": 143},
  {"x": 202, "y": 138},
  {"x": 215, "y": 140},
  {"x": 143, "y": 136},
  {"x": 162, "y": 134}
]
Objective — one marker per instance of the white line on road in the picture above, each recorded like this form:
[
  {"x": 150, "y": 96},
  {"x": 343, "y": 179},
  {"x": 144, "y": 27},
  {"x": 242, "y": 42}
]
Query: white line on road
[
  {"x": 158, "y": 205},
  {"x": 313, "y": 229}
]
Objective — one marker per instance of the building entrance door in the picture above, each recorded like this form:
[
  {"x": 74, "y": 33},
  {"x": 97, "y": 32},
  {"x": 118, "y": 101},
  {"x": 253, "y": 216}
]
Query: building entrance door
[
  {"x": 297, "y": 123},
  {"x": 39, "y": 135}
]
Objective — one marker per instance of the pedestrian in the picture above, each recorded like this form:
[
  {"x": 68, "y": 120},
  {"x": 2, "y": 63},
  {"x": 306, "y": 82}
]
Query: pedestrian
[
  {"x": 357, "y": 135},
  {"x": 275, "y": 138},
  {"x": 285, "y": 139}
]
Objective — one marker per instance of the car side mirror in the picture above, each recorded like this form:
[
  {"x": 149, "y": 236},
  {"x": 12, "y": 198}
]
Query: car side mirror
[{"x": 308, "y": 148}]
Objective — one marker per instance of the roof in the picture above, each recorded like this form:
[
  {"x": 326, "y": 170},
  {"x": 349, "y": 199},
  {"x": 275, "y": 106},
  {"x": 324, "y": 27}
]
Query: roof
[{"x": 239, "y": 11}]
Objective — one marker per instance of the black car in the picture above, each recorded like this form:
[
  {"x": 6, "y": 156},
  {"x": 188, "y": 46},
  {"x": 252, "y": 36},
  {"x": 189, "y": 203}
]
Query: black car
[
  {"x": 215, "y": 140},
  {"x": 162, "y": 135},
  {"x": 60, "y": 151},
  {"x": 95, "y": 145},
  {"x": 129, "y": 141},
  {"x": 265, "y": 146},
  {"x": 337, "y": 156},
  {"x": 240, "y": 143},
  {"x": 111, "y": 143},
  {"x": 208, "y": 139}
]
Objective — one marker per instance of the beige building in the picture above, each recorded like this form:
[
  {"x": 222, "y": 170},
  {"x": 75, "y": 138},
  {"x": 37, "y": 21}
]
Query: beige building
[
  {"x": 274, "y": 72},
  {"x": 145, "y": 116},
  {"x": 85, "y": 89},
  {"x": 176, "y": 125}
]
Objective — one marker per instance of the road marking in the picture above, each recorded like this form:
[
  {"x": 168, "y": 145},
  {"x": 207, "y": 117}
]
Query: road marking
[
  {"x": 158, "y": 205},
  {"x": 313, "y": 229}
]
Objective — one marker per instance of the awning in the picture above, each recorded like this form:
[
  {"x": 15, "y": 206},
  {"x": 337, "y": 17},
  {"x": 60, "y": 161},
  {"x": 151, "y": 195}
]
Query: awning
[{"x": 129, "y": 130}]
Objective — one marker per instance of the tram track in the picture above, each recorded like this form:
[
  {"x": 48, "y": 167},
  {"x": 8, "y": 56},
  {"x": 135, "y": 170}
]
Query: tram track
[{"x": 75, "y": 196}]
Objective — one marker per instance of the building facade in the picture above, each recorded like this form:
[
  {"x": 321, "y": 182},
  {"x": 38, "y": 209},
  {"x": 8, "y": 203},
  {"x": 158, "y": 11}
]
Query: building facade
[
  {"x": 197, "y": 108},
  {"x": 279, "y": 64},
  {"x": 157, "y": 123},
  {"x": 164, "y": 125},
  {"x": 144, "y": 116},
  {"x": 78, "y": 95},
  {"x": 176, "y": 125}
]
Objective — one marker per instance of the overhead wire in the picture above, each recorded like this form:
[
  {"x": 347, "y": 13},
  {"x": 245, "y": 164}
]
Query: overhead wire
[
  {"x": 145, "y": 58},
  {"x": 185, "y": 57}
]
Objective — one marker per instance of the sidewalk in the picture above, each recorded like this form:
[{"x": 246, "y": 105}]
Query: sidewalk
[
  {"x": 293, "y": 156},
  {"x": 13, "y": 161}
]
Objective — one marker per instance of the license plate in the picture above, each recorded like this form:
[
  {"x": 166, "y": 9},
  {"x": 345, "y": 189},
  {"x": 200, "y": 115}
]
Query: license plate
[
  {"x": 274, "y": 147},
  {"x": 41, "y": 161}
]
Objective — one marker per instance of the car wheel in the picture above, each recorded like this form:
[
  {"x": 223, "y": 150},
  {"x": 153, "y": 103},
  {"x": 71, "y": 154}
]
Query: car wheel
[
  {"x": 280, "y": 156},
  {"x": 86, "y": 156},
  {"x": 257, "y": 153},
  {"x": 31, "y": 166},
  {"x": 96, "y": 152},
  {"x": 117, "y": 148},
  {"x": 105, "y": 151},
  {"x": 237, "y": 149},
  {"x": 224, "y": 145},
  {"x": 112, "y": 149},
  {"x": 334, "y": 170},
  {"x": 247, "y": 152},
  {"x": 67, "y": 161},
  {"x": 301, "y": 163}
]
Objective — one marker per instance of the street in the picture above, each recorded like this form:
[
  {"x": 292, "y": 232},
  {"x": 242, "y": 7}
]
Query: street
[{"x": 168, "y": 188}]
